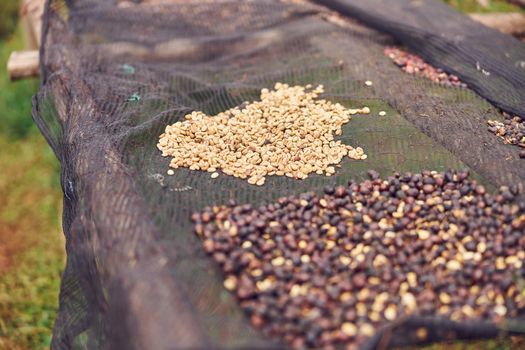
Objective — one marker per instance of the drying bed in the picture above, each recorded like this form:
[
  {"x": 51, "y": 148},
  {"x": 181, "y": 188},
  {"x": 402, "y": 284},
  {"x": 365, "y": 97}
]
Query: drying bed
[{"x": 115, "y": 74}]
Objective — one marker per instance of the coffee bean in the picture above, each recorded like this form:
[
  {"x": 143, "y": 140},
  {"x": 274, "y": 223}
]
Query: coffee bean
[
  {"x": 511, "y": 130},
  {"x": 413, "y": 64},
  {"x": 430, "y": 244}
]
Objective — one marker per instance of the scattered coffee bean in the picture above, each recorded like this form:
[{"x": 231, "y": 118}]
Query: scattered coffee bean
[
  {"x": 413, "y": 64},
  {"x": 511, "y": 131}
]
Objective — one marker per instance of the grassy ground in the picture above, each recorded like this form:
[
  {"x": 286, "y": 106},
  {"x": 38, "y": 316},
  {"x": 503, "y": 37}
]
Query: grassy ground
[
  {"x": 8, "y": 16},
  {"x": 31, "y": 244},
  {"x": 474, "y": 6}
]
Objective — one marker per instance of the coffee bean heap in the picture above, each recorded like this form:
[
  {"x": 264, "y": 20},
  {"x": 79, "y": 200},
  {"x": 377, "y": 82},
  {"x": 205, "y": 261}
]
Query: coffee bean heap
[
  {"x": 289, "y": 132},
  {"x": 413, "y": 64},
  {"x": 327, "y": 270},
  {"x": 511, "y": 131}
]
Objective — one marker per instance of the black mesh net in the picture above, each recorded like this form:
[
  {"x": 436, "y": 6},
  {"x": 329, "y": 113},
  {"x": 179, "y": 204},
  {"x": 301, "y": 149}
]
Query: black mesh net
[
  {"x": 491, "y": 63},
  {"x": 115, "y": 73}
]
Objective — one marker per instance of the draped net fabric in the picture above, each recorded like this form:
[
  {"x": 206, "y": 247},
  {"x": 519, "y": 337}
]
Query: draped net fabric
[{"x": 115, "y": 73}]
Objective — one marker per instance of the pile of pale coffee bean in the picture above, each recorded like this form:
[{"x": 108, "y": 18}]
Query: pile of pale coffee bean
[{"x": 289, "y": 132}]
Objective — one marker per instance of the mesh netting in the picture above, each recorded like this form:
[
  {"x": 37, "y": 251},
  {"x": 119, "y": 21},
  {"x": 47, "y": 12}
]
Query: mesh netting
[
  {"x": 115, "y": 73},
  {"x": 490, "y": 62}
]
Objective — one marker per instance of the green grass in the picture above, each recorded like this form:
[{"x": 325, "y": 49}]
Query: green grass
[
  {"x": 32, "y": 261},
  {"x": 470, "y": 6},
  {"x": 15, "y": 98},
  {"x": 31, "y": 243},
  {"x": 8, "y": 17}
]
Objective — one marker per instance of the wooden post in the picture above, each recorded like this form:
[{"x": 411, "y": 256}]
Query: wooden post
[
  {"x": 23, "y": 64},
  {"x": 31, "y": 12},
  {"x": 509, "y": 23}
]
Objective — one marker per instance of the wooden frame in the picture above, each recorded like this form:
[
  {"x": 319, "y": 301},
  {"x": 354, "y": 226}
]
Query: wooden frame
[{"x": 25, "y": 64}]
